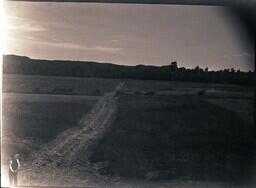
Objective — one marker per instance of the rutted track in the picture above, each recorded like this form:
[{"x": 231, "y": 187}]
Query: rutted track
[{"x": 63, "y": 151}]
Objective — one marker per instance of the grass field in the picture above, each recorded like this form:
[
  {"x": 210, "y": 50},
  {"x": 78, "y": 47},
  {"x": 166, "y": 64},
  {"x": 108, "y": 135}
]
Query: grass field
[
  {"x": 31, "y": 120},
  {"x": 57, "y": 85},
  {"x": 153, "y": 85},
  {"x": 162, "y": 130},
  {"x": 37, "y": 108},
  {"x": 176, "y": 137},
  {"x": 43, "y": 118}
]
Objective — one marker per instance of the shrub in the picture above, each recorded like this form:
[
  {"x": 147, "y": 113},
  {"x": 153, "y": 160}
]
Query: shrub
[
  {"x": 150, "y": 93},
  {"x": 201, "y": 92},
  {"x": 36, "y": 90},
  {"x": 97, "y": 92}
]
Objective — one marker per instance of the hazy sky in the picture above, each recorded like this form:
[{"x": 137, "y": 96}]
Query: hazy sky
[{"x": 128, "y": 34}]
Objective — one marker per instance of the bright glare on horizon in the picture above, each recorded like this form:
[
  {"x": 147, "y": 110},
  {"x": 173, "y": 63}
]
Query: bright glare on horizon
[{"x": 3, "y": 27}]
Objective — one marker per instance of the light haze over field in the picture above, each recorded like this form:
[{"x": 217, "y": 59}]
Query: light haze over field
[{"x": 129, "y": 34}]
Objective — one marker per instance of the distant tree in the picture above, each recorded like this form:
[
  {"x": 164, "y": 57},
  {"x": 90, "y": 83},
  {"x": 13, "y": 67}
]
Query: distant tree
[
  {"x": 174, "y": 66},
  {"x": 197, "y": 68},
  {"x": 183, "y": 69},
  {"x": 23, "y": 65}
]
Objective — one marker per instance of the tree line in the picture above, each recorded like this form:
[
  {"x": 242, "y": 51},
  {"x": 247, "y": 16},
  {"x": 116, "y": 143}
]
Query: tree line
[{"x": 13, "y": 64}]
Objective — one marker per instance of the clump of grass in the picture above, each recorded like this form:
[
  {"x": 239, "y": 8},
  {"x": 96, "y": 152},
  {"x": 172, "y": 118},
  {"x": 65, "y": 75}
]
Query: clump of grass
[
  {"x": 150, "y": 93},
  {"x": 137, "y": 92},
  {"x": 201, "y": 92}
]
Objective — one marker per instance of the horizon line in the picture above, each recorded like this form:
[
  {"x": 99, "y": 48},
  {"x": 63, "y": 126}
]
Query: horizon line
[{"x": 146, "y": 65}]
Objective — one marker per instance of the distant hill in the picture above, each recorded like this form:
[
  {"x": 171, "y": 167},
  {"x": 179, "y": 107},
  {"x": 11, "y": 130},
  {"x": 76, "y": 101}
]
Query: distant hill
[{"x": 24, "y": 65}]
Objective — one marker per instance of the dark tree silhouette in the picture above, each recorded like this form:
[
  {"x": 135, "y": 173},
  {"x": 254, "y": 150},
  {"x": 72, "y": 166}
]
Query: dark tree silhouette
[{"x": 23, "y": 65}]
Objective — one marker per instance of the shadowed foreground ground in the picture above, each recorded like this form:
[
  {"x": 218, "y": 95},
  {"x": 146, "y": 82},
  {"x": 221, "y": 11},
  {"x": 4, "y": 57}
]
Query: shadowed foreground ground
[
  {"x": 155, "y": 138},
  {"x": 177, "y": 138}
]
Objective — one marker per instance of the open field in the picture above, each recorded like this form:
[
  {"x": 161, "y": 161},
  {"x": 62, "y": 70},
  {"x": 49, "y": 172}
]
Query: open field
[
  {"x": 156, "y": 137},
  {"x": 31, "y": 120},
  {"x": 160, "y": 132},
  {"x": 57, "y": 85},
  {"x": 33, "y": 116},
  {"x": 153, "y": 85}
]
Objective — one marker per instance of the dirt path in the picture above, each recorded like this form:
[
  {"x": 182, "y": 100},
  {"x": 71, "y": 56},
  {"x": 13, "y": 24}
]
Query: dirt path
[{"x": 64, "y": 152}]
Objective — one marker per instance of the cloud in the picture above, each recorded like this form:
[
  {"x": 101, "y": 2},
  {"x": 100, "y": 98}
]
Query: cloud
[
  {"x": 239, "y": 55},
  {"x": 26, "y": 28},
  {"x": 74, "y": 46},
  {"x": 69, "y": 45},
  {"x": 23, "y": 25},
  {"x": 106, "y": 49}
]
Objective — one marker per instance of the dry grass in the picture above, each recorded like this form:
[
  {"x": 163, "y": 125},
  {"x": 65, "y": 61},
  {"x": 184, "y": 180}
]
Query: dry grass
[
  {"x": 163, "y": 130},
  {"x": 29, "y": 121},
  {"x": 57, "y": 85},
  {"x": 176, "y": 137}
]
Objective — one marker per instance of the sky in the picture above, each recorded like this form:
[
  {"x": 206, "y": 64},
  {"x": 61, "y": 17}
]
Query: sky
[{"x": 129, "y": 34}]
